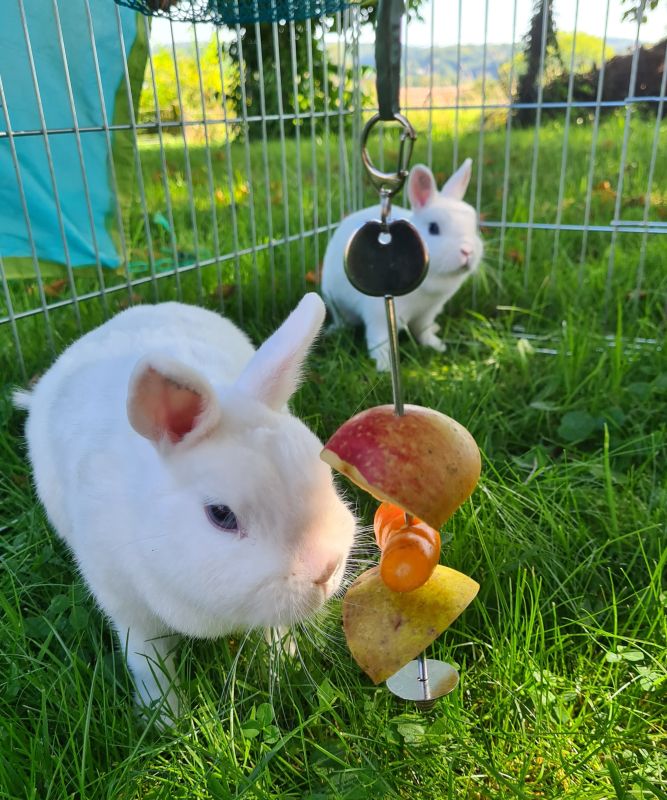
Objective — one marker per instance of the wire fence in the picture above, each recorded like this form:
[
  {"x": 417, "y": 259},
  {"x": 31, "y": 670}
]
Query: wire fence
[{"x": 225, "y": 179}]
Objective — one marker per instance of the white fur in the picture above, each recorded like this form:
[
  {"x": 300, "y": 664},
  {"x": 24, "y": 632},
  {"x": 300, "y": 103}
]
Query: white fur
[
  {"x": 455, "y": 254},
  {"x": 128, "y": 494}
]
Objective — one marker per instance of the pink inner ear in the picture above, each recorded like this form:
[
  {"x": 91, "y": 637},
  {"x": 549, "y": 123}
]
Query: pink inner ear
[
  {"x": 161, "y": 407},
  {"x": 181, "y": 409},
  {"x": 421, "y": 188}
]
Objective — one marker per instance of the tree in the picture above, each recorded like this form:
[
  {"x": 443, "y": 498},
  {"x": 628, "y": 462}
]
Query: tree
[
  {"x": 636, "y": 8},
  {"x": 285, "y": 76},
  {"x": 588, "y": 54},
  {"x": 527, "y": 89},
  {"x": 298, "y": 85},
  {"x": 588, "y": 50}
]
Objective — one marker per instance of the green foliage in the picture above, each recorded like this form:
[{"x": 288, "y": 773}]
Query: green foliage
[
  {"x": 201, "y": 88},
  {"x": 287, "y": 72},
  {"x": 589, "y": 52},
  {"x": 634, "y": 9}
]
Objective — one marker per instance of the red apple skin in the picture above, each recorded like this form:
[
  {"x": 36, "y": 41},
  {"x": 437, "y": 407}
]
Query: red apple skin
[{"x": 424, "y": 461}]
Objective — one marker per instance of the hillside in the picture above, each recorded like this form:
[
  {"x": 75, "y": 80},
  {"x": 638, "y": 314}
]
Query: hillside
[
  {"x": 468, "y": 62},
  {"x": 446, "y": 60}
]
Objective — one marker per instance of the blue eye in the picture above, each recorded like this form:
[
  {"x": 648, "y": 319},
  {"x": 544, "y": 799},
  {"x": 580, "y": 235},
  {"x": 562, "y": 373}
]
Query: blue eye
[
  {"x": 434, "y": 229},
  {"x": 222, "y": 517}
]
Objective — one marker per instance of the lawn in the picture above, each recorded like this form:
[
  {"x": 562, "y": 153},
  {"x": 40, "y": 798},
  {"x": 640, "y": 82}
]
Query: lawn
[{"x": 563, "y": 653}]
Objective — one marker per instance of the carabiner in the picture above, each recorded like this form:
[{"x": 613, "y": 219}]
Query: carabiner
[{"x": 389, "y": 182}]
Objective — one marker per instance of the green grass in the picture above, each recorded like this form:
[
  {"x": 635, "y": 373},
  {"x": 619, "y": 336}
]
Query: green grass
[
  {"x": 562, "y": 654},
  {"x": 543, "y": 278}
]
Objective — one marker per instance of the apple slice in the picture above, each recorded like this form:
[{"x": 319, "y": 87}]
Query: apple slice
[
  {"x": 385, "y": 630},
  {"x": 424, "y": 462}
]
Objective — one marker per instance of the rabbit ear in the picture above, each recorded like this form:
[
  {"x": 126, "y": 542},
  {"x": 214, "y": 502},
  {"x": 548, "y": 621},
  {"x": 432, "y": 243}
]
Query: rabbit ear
[
  {"x": 457, "y": 184},
  {"x": 167, "y": 402},
  {"x": 272, "y": 374},
  {"x": 421, "y": 186}
]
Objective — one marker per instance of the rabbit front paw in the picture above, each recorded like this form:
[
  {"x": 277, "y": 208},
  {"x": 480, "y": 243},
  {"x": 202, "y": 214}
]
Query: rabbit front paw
[
  {"x": 151, "y": 663},
  {"x": 281, "y": 640},
  {"x": 382, "y": 358},
  {"x": 429, "y": 338},
  {"x": 163, "y": 709},
  {"x": 434, "y": 342}
]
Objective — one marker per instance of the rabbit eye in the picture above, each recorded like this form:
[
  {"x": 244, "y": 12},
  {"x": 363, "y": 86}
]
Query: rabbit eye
[
  {"x": 222, "y": 517},
  {"x": 434, "y": 229}
]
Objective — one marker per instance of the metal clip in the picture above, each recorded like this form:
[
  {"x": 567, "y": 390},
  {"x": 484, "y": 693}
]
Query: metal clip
[
  {"x": 389, "y": 182},
  {"x": 385, "y": 209}
]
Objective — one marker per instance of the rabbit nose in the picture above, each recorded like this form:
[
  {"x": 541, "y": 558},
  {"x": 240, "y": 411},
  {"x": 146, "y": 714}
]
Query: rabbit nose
[
  {"x": 466, "y": 251},
  {"x": 328, "y": 571}
]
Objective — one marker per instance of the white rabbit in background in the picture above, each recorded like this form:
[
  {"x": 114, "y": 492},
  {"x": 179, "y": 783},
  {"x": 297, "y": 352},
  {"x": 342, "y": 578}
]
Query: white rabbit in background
[
  {"x": 193, "y": 501},
  {"x": 448, "y": 226}
]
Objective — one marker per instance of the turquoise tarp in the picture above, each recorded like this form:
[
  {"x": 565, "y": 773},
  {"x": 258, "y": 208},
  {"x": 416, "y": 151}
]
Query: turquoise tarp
[{"x": 55, "y": 244}]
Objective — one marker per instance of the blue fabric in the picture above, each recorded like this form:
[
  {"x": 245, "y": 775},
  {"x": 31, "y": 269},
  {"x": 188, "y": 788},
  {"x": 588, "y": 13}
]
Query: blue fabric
[
  {"x": 23, "y": 112},
  {"x": 238, "y": 12}
]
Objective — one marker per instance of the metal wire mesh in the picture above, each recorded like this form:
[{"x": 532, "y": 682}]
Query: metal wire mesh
[
  {"x": 239, "y": 157},
  {"x": 236, "y": 12}
]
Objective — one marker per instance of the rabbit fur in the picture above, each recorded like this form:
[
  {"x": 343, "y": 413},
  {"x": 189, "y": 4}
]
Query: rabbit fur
[
  {"x": 449, "y": 228},
  {"x": 145, "y": 424}
]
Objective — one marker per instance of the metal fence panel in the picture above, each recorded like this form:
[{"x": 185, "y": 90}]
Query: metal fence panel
[{"x": 233, "y": 201}]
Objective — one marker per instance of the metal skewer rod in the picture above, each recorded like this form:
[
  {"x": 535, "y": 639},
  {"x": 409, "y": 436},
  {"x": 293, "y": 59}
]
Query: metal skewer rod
[
  {"x": 399, "y": 410},
  {"x": 422, "y": 673},
  {"x": 392, "y": 328}
]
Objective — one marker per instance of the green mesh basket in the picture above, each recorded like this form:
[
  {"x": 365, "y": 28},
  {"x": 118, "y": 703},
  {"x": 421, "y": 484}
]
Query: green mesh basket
[{"x": 236, "y": 12}]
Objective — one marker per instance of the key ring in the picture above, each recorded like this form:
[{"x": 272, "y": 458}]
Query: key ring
[{"x": 388, "y": 183}]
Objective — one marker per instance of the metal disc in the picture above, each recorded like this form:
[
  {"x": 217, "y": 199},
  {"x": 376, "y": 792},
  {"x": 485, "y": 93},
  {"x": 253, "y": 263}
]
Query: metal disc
[
  {"x": 406, "y": 683},
  {"x": 391, "y": 261}
]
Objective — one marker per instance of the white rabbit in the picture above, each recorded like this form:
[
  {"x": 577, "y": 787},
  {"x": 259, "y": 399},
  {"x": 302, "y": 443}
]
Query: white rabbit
[
  {"x": 449, "y": 228},
  {"x": 193, "y": 501}
]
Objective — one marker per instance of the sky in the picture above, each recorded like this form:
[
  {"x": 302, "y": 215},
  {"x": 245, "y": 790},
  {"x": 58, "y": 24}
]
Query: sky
[
  {"x": 443, "y": 17},
  {"x": 590, "y": 16}
]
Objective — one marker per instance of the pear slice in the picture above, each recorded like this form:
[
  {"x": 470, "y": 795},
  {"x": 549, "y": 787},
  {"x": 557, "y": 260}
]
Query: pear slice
[{"x": 385, "y": 630}]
